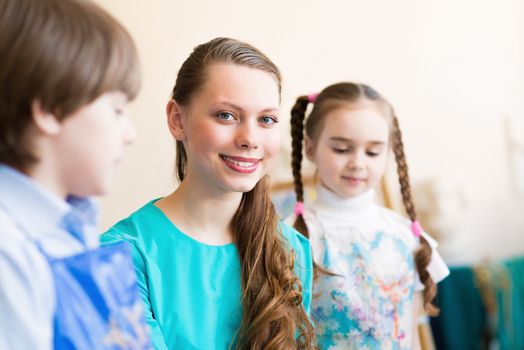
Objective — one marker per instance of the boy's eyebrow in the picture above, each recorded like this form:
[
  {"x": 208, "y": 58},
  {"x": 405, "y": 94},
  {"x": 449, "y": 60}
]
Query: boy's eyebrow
[
  {"x": 238, "y": 108},
  {"x": 343, "y": 139}
]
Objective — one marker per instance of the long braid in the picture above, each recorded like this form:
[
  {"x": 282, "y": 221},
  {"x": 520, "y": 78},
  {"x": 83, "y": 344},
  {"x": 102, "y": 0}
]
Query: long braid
[
  {"x": 423, "y": 254},
  {"x": 298, "y": 113}
]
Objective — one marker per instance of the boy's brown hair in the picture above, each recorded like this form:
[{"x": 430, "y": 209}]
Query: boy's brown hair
[{"x": 63, "y": 54}]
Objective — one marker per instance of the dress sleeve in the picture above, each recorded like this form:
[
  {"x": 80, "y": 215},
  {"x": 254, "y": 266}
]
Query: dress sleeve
[
  {"x": 315, "y": 237},
  {"x": 437, "y": 268},
  {"x": 157, "y": 338}
]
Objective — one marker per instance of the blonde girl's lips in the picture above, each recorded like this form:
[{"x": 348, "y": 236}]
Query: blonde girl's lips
[
  {"x": 241, "y": 164},
  {"x": 353, "y": 180}
]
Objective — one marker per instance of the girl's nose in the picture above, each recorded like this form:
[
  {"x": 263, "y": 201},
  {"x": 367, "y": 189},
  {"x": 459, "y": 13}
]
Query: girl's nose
[{"x": 247, "y": 136}]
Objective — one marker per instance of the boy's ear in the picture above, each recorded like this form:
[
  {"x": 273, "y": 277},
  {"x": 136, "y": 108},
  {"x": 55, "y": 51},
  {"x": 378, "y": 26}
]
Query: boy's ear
[
  {"x": 175, "y": 120},
  {"x": 310, "y": 149},
  {"x": 44, "y": 121}
]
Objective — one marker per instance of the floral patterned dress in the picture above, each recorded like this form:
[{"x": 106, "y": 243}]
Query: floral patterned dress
[{"x": 367, "y": 300}]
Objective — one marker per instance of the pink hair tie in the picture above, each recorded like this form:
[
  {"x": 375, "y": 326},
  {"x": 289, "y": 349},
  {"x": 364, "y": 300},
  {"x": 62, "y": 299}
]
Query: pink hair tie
[
  {"x": 299, "y": 209},
  {"x": 416, "y": 228},
  {"x": 312, "y": 98}
]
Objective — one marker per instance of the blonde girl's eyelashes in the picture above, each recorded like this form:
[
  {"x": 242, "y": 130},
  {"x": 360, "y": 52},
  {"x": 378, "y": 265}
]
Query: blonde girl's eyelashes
[
  {"x": 342, "y": 149},
  {"x": 349, "y": 149},
  {"x": 374, "y": 152},
  {"x": 268, "y": 120}
]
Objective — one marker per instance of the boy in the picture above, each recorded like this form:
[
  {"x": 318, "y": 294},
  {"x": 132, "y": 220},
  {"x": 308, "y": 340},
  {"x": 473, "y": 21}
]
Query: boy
[{"x": 67, "y": 72}]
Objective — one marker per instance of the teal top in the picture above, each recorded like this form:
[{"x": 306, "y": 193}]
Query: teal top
[{"x": 192, "y": 290}]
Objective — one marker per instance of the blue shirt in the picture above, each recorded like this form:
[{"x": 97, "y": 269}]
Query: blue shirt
[
  {"x": 29, "y": 214},
  {"x": 192, "y": 290}
]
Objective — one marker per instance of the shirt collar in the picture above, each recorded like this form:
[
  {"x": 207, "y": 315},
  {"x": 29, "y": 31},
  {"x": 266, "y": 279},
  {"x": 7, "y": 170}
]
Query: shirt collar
[
  {"x": 38, "y": 210},
  {"x": 328, "y": 203}
]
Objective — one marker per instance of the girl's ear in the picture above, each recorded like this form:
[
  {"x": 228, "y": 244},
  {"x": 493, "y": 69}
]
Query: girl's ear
[
  {"x": 45, "y": 122},
  {"x": 175, "y": 120},
  {"x": 310, "y": 149}
]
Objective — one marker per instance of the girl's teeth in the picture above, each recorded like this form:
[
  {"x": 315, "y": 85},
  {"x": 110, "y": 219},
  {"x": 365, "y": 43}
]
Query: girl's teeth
[{"x": 239, "y": 163}]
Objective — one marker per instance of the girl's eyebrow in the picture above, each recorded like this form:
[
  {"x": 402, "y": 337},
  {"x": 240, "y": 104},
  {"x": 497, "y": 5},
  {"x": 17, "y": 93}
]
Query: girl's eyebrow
[
  {"x": 343, "y": 139},
  {"x": 238, "y": 108}
]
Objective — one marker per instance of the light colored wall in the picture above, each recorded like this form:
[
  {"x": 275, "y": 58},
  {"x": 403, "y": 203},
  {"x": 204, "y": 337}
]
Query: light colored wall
[{"x": 453, "y": 70}]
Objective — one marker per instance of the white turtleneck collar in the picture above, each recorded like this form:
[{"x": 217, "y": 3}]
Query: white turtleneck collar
[{"x": 329, "y": 204}]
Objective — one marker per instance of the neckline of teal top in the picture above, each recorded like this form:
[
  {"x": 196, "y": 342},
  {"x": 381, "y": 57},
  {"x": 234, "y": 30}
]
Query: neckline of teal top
[
  {"x": 174, "y": 229},
  {"x": 192, "y": 290}
]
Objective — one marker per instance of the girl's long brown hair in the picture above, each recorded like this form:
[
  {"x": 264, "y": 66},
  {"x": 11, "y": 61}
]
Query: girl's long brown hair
[
  {"x": 333, "y": 97},
  {"x": 273, "y": 313}
]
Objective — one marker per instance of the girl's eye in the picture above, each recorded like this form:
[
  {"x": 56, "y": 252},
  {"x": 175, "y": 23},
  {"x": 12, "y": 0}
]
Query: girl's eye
[
  {"x": 225, "y": 116},
  {"x": 372, "y": 154},
  {"x": 268, "y": 120},
  {"x": 342, "y": 150}
]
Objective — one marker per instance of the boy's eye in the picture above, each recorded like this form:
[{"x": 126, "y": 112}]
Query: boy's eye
[
  {"x": 119, "y": 112},
  {"x": 225, "y": 116},
  {"x": 268, "y": 120}
]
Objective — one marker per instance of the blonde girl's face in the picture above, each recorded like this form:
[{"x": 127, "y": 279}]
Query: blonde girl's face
[
  {"x": 230, "y": 128},
  {"x": 351, "y": 150}
]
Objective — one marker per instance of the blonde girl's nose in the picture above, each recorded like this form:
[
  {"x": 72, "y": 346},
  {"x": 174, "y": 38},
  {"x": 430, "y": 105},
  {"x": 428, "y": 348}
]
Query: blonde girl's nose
[{"x": 356, "y": 159}]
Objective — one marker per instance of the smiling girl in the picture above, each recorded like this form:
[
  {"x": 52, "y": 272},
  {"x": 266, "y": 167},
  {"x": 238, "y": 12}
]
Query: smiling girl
[
  {"x": 216, "y": 268},
  {"x": 375, "y": 267}
]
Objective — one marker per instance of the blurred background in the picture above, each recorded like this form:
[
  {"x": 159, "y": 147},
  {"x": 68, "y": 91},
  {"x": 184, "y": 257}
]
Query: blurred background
[{"x": 454, "y": 72}]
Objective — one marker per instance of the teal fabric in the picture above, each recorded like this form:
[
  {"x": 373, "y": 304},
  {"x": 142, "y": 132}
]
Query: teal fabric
[
  {"x": 192, "y": 290},
  {"x": 510, "y": 306},
  {"x": 462, "y": 321}
]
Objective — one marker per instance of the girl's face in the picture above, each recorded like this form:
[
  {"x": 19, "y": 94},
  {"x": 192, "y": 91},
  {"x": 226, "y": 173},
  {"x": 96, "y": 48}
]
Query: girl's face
[
  {"x": 229, "y": 128},
  {"x": 351, "y": 150}
]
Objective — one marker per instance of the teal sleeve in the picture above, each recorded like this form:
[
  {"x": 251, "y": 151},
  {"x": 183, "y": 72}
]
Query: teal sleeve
[
  {"x": 303, "y": 262},
  {"x": 113, "y": 236}
]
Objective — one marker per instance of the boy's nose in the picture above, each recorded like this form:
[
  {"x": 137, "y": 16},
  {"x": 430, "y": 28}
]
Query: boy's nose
[{"x": 129, "y": 131}]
